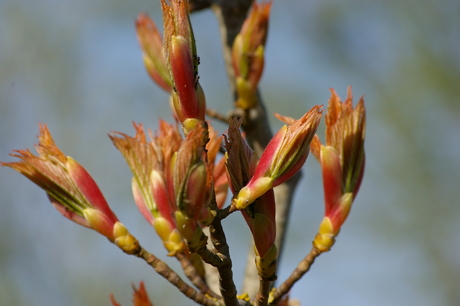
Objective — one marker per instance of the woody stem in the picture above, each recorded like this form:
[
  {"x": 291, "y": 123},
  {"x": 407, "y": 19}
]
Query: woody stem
[
  {"x": 164, "y": 270},
  {"x": 297, "y": 274}
]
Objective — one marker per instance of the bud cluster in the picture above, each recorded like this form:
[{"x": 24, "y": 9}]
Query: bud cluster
[
  {"x": 180, "y": 185},
  {"x": 173, "y": 181}
]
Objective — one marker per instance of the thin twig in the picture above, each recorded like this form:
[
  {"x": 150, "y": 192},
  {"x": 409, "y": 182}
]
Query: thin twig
[
  {"x": 216, "y": 115},
  {"x": 211, "y": 257},
  {"x": 225, "y": 212},
  {"x": 297, "y": 274},
  {"x": 193, "y": 276},
  {"x": 264, "y": 290},
  {"x": 227, "y": 286},
  {"x": 170, "y": 275},
  {"x": 220, "y": 258}
]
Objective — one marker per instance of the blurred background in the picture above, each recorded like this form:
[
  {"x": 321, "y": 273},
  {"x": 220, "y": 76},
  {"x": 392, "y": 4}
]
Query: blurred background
[{"x": 76, "y": 65}]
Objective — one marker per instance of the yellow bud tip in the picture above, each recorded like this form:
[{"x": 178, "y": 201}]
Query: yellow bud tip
[
  {"x": 247, "y": 97},
  {"x": 128, "y": 244},
  {"x": 244, "y": 297},
  {"x": 326, "y": 226},
  {"x": 266, "y": 266},
  {"x": 119, "y": 230},
  {"x": 325, "y": 238},
  {"x": 174, "y": 244},
  {"x": 248, "y": 194},
  {"x": 189, "y": 124},
  {"x": 324, "y": 242},
  {"x": 162, "y": 227},
  {"x": 124, "y": 240},
  {"x": 240, "y": 203}
]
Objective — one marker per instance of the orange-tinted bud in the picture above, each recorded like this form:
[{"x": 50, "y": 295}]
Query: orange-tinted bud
[
  {"x": 260, "y": 217},
  {"x": 238, "y": 158},
  {"x": 184, "y": 76},
  {"x": 153, "y": 53},
  {"x": 100, "y": 222},
  {"x": 284, "y": 155},
  {"x": 195, "y": 191},
  {"x": 182, "y": 61},
  {"x": 164, "y": 204},
  {"x": 70, "y": 188},
  {"x": 342, "y": 163},
  {"x": 220, "y": 183},
  {"x": 346, "y": 134},
  {"x": 141, "y": 202},
  {"x": 248, "y": 54},
  {"x": 88, "y": 188},
  {"x": 184, "y": 162},
  {"x": 170, "y": 236},
  {"x": 149, "y": 162},
  {"x": 332, "y": 223}
]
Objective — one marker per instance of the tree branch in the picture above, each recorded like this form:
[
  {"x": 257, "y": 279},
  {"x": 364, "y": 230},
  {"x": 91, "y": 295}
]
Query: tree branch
[
  {"x": 264, "y": 290},
  {"x": 193, "y": 276},
  {"x": 297, "y": 274},
  {"x": 227, "y": 286},
  {"x": 231, "y": 15},
  {"x": 164, "y": 270}
]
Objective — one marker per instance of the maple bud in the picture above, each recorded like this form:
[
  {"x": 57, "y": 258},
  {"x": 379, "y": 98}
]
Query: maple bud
[
  {"x": 217, "y": 176},
  {"x": 148, "y": 160},
  {"x": 284, "y": 155},
  {"x": 167, "y": 231},
  {"x": 189, "y": 174},
  {"x": 220, "y": 183},
  {"x": 164, "y": 223},
  {"x": 248, "y": 54},
  {"x": 195, "y": 190},
  {"x": 153, "y": 52},
  {"x": 266, "y": 265},
  {"x": 260, "y": 215},
  {"x": 100, "y": 222},
  {"x": 70, "y": 188},
  {"x": 342, "y": 164},
  {"x": 191, "y": 231},
  {"x": 182, "y": 61},
  {"x": 124, "y": 240}
]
